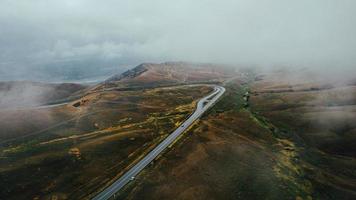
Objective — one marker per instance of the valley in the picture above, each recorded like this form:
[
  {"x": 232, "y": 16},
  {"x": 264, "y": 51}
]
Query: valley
[{"x": 267, "y": 137}]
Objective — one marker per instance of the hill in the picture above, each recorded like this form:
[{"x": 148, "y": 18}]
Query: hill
[{"x": 151, "y": 74}]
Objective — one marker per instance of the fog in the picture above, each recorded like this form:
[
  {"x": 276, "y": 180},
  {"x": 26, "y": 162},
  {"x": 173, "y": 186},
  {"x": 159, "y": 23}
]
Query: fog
[
  {"x": 44, "y": 38},
  {"x": 21, "y": 95}
]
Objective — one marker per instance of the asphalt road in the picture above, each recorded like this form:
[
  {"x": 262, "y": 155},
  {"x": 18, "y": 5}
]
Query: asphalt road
[{"x": 203, "y": 105}]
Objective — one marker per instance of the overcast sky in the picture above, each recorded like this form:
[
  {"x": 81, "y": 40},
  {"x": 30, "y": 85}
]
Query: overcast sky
[{"x": 51, "y": 35}]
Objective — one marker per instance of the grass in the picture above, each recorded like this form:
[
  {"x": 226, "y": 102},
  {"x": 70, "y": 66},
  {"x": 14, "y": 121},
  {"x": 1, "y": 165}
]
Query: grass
[
  {"x": 299, "y": 116},
  {"x": 281, "y": 144},
  {"x": 230, "y": 153},
  {"x": 77, "y": 158}
]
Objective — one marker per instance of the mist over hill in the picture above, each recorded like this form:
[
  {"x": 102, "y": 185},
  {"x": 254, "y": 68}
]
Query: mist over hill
[
  {"x": 25, "y": 94},
  {"x": 78, "y": 71}
]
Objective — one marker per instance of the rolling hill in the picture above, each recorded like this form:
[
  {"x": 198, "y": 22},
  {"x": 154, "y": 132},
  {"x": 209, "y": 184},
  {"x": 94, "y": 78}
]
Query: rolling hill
[{"x": 169, "y": 73}]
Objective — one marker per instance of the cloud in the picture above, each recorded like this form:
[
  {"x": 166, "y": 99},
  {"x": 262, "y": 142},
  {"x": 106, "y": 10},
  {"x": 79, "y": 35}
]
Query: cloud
[
  {"x": 317, "y": 33},
  {"x": 21, "y": 95}
]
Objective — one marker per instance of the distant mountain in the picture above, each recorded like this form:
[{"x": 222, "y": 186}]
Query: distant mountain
[{"x": 172, "y": 72}]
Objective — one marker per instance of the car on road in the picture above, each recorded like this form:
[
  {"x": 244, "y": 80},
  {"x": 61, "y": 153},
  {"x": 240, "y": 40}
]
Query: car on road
[{"x": 132, "y": 178}]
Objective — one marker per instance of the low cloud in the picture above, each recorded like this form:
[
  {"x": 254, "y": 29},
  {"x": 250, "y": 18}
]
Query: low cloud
[
  {"x": 22, "y": 95},
  {"x": 44, "y": 33}
]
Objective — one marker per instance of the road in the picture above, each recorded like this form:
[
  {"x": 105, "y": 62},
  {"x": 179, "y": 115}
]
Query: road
[{"x": 203, "y": 105}]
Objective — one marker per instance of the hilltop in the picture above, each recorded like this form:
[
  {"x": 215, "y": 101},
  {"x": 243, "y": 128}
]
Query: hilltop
[{"x": 152, "y": 74}]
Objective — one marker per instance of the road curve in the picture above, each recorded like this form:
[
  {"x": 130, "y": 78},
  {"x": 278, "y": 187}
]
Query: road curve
[{"x": 203, "y": 105}]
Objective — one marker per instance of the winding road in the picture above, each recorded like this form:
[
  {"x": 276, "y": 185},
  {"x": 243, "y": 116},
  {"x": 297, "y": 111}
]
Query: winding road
[{"x": 203, "y": 105}]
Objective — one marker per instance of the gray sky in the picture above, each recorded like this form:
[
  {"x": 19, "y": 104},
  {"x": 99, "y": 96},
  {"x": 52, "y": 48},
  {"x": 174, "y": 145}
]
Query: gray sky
[{"x": 38, "y": 36}]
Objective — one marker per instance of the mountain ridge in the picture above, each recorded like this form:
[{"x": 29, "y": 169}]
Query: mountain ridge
[{"x": 172, "y": 72}]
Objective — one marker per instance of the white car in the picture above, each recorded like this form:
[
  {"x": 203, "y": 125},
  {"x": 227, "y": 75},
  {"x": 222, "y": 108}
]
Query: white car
[{"x": 132, "y": 178}]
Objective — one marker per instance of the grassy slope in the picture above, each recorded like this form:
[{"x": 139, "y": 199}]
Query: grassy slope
[
  {"x": 267, "y": 150},
  {"x": 228, "y": 154},
  {"x": 96, "y": 142},
  {"x": 320, "y": 123}
]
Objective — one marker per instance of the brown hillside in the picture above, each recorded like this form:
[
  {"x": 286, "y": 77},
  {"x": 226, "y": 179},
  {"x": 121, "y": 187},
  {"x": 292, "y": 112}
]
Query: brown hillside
[{"x": 173, "y": 72}]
